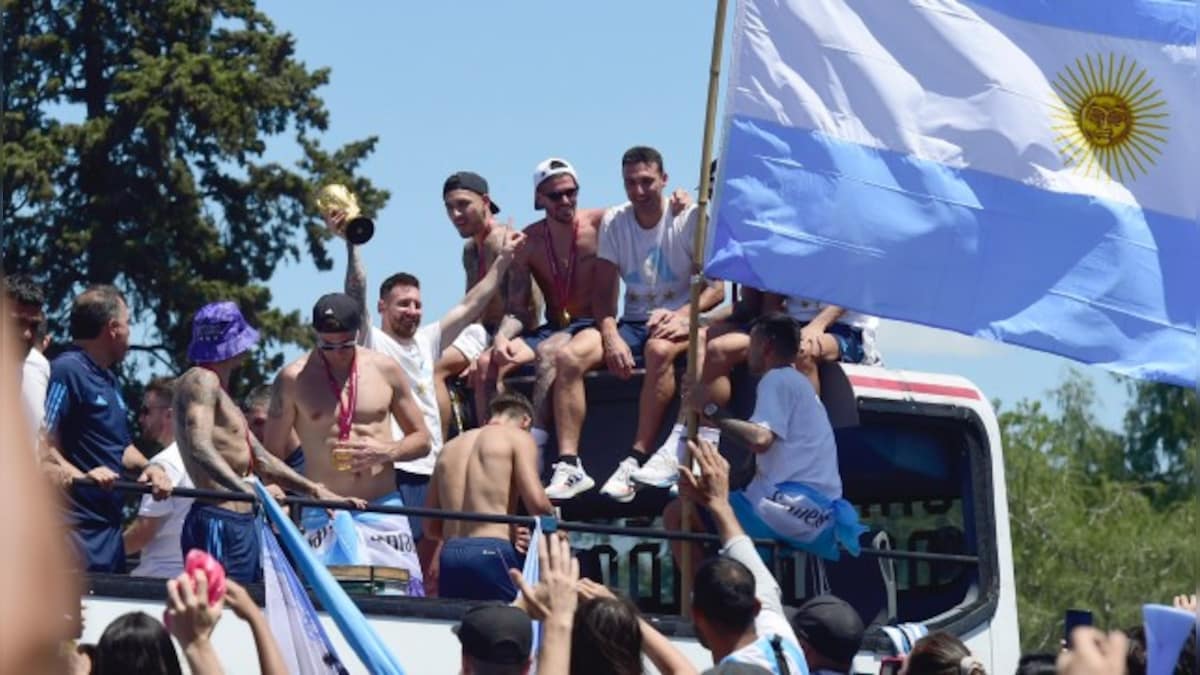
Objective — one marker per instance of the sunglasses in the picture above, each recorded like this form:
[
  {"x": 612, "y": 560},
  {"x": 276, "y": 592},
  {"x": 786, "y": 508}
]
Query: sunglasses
[
  {"x": 557, "y": 195},
  {"x": 335, "y": 346}
]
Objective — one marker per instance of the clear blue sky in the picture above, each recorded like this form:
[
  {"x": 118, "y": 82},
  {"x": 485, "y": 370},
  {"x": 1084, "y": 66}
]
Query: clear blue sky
[{"x": 494, "y": 87}]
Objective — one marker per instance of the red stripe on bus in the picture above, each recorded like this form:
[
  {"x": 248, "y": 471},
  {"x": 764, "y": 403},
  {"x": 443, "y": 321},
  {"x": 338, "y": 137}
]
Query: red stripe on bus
[{"x": 914, "y": 387}]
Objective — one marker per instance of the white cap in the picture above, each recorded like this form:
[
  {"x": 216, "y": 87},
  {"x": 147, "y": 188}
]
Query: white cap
[{"x": 549, "y": 168}]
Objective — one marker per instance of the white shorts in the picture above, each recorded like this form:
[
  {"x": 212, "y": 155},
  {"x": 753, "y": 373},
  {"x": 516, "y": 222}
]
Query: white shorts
[{"x": 472, "y": 341}]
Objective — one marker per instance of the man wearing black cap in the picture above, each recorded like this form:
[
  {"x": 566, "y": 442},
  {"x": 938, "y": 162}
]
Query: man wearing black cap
[
  {"x": 341, "y": 399},
  {"x": 830, "y": 632},
  {"x": 496, "y": 640},
  {"x": 470, "y": 208}
]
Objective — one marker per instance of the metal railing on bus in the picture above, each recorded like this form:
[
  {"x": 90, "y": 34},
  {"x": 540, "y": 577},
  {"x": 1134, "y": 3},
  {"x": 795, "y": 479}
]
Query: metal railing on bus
[{"x": 528, "y": 521}]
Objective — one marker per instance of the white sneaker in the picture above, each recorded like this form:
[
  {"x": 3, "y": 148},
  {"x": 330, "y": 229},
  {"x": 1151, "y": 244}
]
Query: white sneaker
[
  {"x": 661, "y": 470},
  {"x": 568, "y": 481},
  {"x": 618, "y": 486}
]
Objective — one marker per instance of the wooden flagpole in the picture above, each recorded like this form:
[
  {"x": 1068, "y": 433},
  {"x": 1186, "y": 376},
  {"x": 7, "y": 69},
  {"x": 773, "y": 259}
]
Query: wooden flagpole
[{"x": 697, "y": 286}]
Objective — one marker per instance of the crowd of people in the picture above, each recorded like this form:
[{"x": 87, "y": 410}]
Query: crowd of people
[{"x": 363, "y": 418}]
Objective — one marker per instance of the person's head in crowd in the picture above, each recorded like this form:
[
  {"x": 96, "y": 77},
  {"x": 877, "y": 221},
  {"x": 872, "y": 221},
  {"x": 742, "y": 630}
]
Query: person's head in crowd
[
  {"x": 941, "y": 654},
  {"x": 496, "y": 640},
  {"x": 606, "y": 638},
  {"x": 136, "y": 643},
  {"x": 774, "y": 341},
  {"x": 400, "y": 304},
  {"x": 644, "y": 177},
  {"x": 512, "y": 408},
  {"x": 723, "y": 604},
  {"x": 556, "y": 189},
  {"x": 221, "y": 337},
  {"x": 336, "y": 319},
  {"x": 26, "y": 306},
  {"x": 468, "y": 204},
  {"x": 1037, "y": 664},
  {"x": 830, "y": 632},
  {"x": 156, "y": 416},
  {"x": 33, "y": 617},
  {"x": 1135, "y": 660},
  {"x": 255, "y": 407},
  {"x": 100, "y": 324}
]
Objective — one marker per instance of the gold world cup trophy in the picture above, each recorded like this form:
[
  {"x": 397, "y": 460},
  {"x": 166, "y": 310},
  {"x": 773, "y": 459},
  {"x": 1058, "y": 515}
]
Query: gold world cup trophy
[{"x": 336, "y": 197}]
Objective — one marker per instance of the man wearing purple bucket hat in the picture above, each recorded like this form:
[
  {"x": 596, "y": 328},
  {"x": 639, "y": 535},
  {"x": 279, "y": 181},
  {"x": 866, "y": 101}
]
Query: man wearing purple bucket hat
[{"x": 218, "y": 449}]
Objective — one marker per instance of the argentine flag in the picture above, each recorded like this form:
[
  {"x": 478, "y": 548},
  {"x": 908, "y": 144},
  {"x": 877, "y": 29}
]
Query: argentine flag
[{"x": 1018, "y": 170}]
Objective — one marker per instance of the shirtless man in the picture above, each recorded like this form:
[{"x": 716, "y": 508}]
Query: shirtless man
[
  {"x": 471, "y": 209},
  {"x": 218, "y": 450},
  {"x": 560, "y": 256},
  {"x": 340, "y": 399},
  {"x": 485, "y": 470}
]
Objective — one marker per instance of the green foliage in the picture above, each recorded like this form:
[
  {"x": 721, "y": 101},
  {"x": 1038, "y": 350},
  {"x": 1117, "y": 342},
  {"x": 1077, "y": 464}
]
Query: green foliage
[
  {"x": 134, "y": 136},
  {"x": 1086, "y": 531},
  {"x": 1163, "y": 428}
]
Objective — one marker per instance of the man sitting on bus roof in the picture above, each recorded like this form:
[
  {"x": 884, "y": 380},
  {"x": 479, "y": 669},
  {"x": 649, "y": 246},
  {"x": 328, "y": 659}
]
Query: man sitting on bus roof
[{"x": 651, "y": 250}]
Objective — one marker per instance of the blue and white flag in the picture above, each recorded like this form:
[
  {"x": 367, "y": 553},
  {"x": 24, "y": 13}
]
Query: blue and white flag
[
  {"x": 1017, "y": 170},
  {"x": 532, "y": 573},
  {"x": 359, "y": 634},
  {"x": 293, "y": 619}
]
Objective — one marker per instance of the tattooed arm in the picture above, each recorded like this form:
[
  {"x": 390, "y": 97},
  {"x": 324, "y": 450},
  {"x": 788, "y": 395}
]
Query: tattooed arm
[
  {"x": 196, "y": 397},
  {"x": 356, "y": 287},
  {"x": 517, "y": 301}
]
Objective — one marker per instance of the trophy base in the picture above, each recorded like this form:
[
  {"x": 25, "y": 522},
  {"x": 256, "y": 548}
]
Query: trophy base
[{"x": 360, "y": 230}]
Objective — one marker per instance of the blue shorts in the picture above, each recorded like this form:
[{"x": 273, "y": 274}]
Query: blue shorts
[
  {"x": 413, "y": 488},
  {"x": 230, "y": 537},
  {"x": 476, "y": 568},
  {"x": 539, "y": 335},
  {"x": 100, "y": 547},
  {"x": 849, "y": 340},
  {"x": 295, "y": 461},
  {"x": 636, "y": 335}
]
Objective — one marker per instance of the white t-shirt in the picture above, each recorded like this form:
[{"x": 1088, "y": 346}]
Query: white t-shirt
[
  {"x": 804, "y": 450},
  {"x": 162, "y": 556},
  {"x": 771, "y": 619},
  {"x": 35, "y": 377},
  {"x": 417, "y": 357},
  {"x": 656, "y": 263}
]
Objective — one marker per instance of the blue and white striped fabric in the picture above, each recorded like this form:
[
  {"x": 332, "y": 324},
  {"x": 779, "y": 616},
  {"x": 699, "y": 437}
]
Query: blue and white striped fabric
[
  {"x": 359, "y": 634},
  {"x": 1017, "y": 170},
  {"x": 293, "y": 619},
  {"x": 532, "y": 572}
]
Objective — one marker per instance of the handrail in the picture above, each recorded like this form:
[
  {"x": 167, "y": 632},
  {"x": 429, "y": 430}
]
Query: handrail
[{"x": 530, "y": 521}]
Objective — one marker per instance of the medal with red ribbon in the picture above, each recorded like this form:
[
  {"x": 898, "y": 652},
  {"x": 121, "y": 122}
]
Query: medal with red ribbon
[
  {"x": 561, "y": 278},
  {"x": 346, "y": 405}
]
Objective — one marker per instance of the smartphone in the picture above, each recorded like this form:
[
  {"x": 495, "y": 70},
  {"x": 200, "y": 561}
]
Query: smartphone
[
  {"x": 1072, "y": 619},
  {"x": 891, "y": 665}
]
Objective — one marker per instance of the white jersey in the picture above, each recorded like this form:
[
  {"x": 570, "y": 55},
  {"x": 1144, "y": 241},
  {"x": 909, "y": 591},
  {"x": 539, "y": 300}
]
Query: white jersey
[
  {"x": 162, "y": 557},
  {"x": 417, "y": 357},
  {"x": 771, "y": 621},
  {"x": 655, "y": 263}
]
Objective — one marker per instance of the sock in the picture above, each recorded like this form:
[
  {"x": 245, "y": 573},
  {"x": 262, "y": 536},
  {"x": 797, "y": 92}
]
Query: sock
[
  {"x": 573, "y": 460},
  {"x": 638, "y": 455},
  {"x": 540, "y": 437}
]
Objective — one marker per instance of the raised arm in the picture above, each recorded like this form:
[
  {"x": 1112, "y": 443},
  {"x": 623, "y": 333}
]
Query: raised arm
[
  {"x": 473, "y": 304},
  {"x": 196, "y": 397},
  {"x": 517, "y": 299},
  {"x": 525, "y": 476},
  {"x": 356, "y": 287}
]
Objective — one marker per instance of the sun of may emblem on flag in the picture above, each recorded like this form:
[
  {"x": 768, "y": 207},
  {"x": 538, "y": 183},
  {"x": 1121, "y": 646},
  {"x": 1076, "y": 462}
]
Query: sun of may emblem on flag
[{"x": 1110, "y": 117}]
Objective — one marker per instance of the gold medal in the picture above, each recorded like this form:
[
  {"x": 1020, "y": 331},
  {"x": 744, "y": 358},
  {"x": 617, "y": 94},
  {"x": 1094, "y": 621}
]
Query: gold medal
[{"x": 564, "y": 318}]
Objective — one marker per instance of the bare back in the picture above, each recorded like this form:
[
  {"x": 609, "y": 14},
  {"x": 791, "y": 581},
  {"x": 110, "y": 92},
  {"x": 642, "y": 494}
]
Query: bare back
[
  {"x": 316, "y": 423},
  {"x": 487, "y": 470}
]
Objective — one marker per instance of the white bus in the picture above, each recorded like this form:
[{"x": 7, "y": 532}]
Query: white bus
[{"x": 920, "y": 456}]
